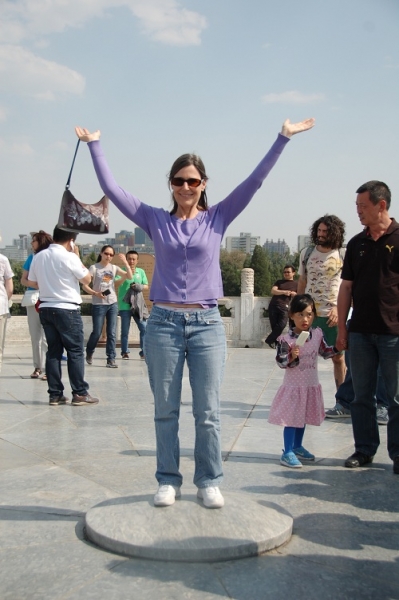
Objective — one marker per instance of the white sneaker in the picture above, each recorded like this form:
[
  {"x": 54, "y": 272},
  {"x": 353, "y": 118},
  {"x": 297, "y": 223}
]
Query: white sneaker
[
  {"x": 166, "y": 495},
  {"x": 211, "y": 497}
]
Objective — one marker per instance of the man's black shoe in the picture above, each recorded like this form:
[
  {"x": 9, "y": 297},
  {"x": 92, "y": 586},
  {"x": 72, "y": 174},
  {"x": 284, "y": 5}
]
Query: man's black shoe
[
  {"x": 271, "y": 345},
  {"x": 358, "y": 459},
  {"x": 396, "y": 465}
]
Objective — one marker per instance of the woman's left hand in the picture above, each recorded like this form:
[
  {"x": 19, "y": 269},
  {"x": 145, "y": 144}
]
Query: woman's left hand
[
  {"x": 85, "y": 136},
  {"x": 122, "y": 257},
  {"x": 289, "y": 129}
]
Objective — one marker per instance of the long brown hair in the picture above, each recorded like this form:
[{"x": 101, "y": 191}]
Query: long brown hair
[
  {"x": 186, "y": 160},
  {"x": 43, "y": 239}
]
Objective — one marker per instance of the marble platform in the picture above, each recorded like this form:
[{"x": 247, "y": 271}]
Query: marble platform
[{"x": 186, "y": 531}]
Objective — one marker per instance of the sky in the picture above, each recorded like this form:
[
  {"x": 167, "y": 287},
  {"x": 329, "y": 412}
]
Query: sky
[{"x": 160, "y": 78}]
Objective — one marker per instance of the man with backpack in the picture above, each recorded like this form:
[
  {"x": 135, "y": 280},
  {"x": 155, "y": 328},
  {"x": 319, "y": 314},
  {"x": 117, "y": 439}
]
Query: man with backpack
[{"x": 320, "y": 267}]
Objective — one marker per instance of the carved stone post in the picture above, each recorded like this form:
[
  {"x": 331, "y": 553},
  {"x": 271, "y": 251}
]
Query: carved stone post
[{"x": 247, "y": 305}]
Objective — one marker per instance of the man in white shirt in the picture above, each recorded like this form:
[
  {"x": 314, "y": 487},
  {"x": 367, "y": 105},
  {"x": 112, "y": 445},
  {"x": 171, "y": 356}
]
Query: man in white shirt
[
  {"x": 320, "y": 269},
  {"x": 57, "y": 272}
]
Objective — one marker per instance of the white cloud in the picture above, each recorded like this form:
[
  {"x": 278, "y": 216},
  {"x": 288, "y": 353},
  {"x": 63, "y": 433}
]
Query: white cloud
[
  {"x": 21, "y": 149},
  {"x": 165, "y": 21},
  {"x": 16, "y": 147},
  {"x": 27, "y": 19},
  {"x": 293, "y": 97},
  {"x": 24, "y": 73},
  {"x": 24, "y": 22}
]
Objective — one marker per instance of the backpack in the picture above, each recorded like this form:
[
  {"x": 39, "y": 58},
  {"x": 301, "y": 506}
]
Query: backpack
[{"x": 309, "y": 251}]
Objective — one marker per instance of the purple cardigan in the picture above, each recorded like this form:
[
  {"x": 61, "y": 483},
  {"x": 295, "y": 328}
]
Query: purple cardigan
[{"x": 187, "y": 269}]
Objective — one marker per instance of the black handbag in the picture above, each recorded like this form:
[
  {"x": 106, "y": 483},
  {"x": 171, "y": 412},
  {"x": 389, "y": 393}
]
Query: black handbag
[{"x": 80, "y": 217}]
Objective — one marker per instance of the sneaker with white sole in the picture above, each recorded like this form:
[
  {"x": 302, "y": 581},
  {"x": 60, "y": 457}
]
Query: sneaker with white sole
[
  {"x": 166, "y": 495},
  {"x": 211, "y": 497},
  {"x": 338, "y": 412},
  {"x": 382, "y": 415},
  {"x": 288, "y": 459},
  {"x": 303, "y": 454}
]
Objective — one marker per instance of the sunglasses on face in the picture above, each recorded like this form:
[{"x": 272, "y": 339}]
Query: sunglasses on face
[
  {"x": 179, "y": 182},
  {"x": 107, "y": 254}
]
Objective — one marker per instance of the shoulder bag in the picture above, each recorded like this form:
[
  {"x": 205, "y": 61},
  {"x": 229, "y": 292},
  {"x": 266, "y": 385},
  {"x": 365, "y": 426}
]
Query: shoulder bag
[{"x": 79, "y": 217}]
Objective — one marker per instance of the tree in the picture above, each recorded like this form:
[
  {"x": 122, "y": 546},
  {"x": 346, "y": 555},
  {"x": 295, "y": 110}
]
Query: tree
[
  {"x": 231, "y": 264},
  {"x": 261, "y": 266},
  {"x": 16, "y": 266},
  {"x": 90, "y": 259}
]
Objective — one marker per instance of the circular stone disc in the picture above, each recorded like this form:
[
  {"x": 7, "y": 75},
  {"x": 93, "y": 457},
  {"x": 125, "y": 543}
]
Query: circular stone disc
[{"x": 186, "y": 531}]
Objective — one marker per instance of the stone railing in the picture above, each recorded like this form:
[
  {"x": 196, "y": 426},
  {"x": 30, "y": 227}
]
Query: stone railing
[{"x": 246, "y": 327}]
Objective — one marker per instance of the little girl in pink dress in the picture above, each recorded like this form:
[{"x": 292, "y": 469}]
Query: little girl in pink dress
[{"x": 299, "y": 401}]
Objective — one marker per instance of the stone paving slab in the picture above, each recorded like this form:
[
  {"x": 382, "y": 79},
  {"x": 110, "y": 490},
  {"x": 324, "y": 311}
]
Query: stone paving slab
[{"x": 56, "y": 463}]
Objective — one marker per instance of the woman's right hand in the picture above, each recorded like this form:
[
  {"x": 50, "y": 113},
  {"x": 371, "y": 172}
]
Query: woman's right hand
[{"x": 85, "y": 136}]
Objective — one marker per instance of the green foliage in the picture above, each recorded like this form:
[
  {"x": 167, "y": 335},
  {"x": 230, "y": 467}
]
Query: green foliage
[
  {"x": 268, "y": 268},
  {"x": 247, "y": 262},
  {"x": 231, "y": 264},
  {"x": 17, "y": 309},
  {"x": 295, "y": 260},
  {"x": 90, "y": 259},
  {"x": 260, "y": 263},
  {"x": 17, "y": 268},
  {"x": 224, "y": 312}
]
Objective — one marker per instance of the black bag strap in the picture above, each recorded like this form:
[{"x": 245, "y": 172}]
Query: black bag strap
[{"x": 73, "y": 162}]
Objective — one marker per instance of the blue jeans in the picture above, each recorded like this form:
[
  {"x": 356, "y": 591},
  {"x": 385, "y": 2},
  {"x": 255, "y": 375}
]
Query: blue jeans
[
  {"x": 172, "y": 337},
  {"x": 368, "y": 352},
  {"x": 99, "y": 313},
  {"x": 346, "y": 394},
  {"x": 125, "y": 316},
  {"x": 64, "y": 329}
]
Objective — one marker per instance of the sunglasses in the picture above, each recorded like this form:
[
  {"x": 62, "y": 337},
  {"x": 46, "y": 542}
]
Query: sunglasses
[
  {"x": 107, "y": 254},
  {"x": 192, "y": 182}
]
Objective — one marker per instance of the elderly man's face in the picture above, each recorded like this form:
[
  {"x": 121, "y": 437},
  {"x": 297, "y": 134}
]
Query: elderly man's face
[{"x": 368, "y": 212}]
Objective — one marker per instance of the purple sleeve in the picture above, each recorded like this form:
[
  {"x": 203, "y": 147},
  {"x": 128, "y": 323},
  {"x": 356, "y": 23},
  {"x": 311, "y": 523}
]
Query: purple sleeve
[
  {"x": 239, "y": 198},
  {"x": 129, "y": 205}
]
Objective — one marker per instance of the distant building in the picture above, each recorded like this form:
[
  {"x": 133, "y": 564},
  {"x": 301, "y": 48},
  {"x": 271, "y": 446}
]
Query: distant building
[
  {"x": 142, "y": 242},
  {"x": 20, "y": 248},
  {"x": 246, "y": 242},
  {"x": 126, "y": 238},
  {"x": 304, "y": 241},
  {"x": 15, "y": 253},
  {"x": 122, "y": 242},
  {"x": 279, "y": 247}
]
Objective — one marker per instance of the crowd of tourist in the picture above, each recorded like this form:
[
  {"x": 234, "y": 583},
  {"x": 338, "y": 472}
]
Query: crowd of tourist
[{"x": 185, "y": 326}]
